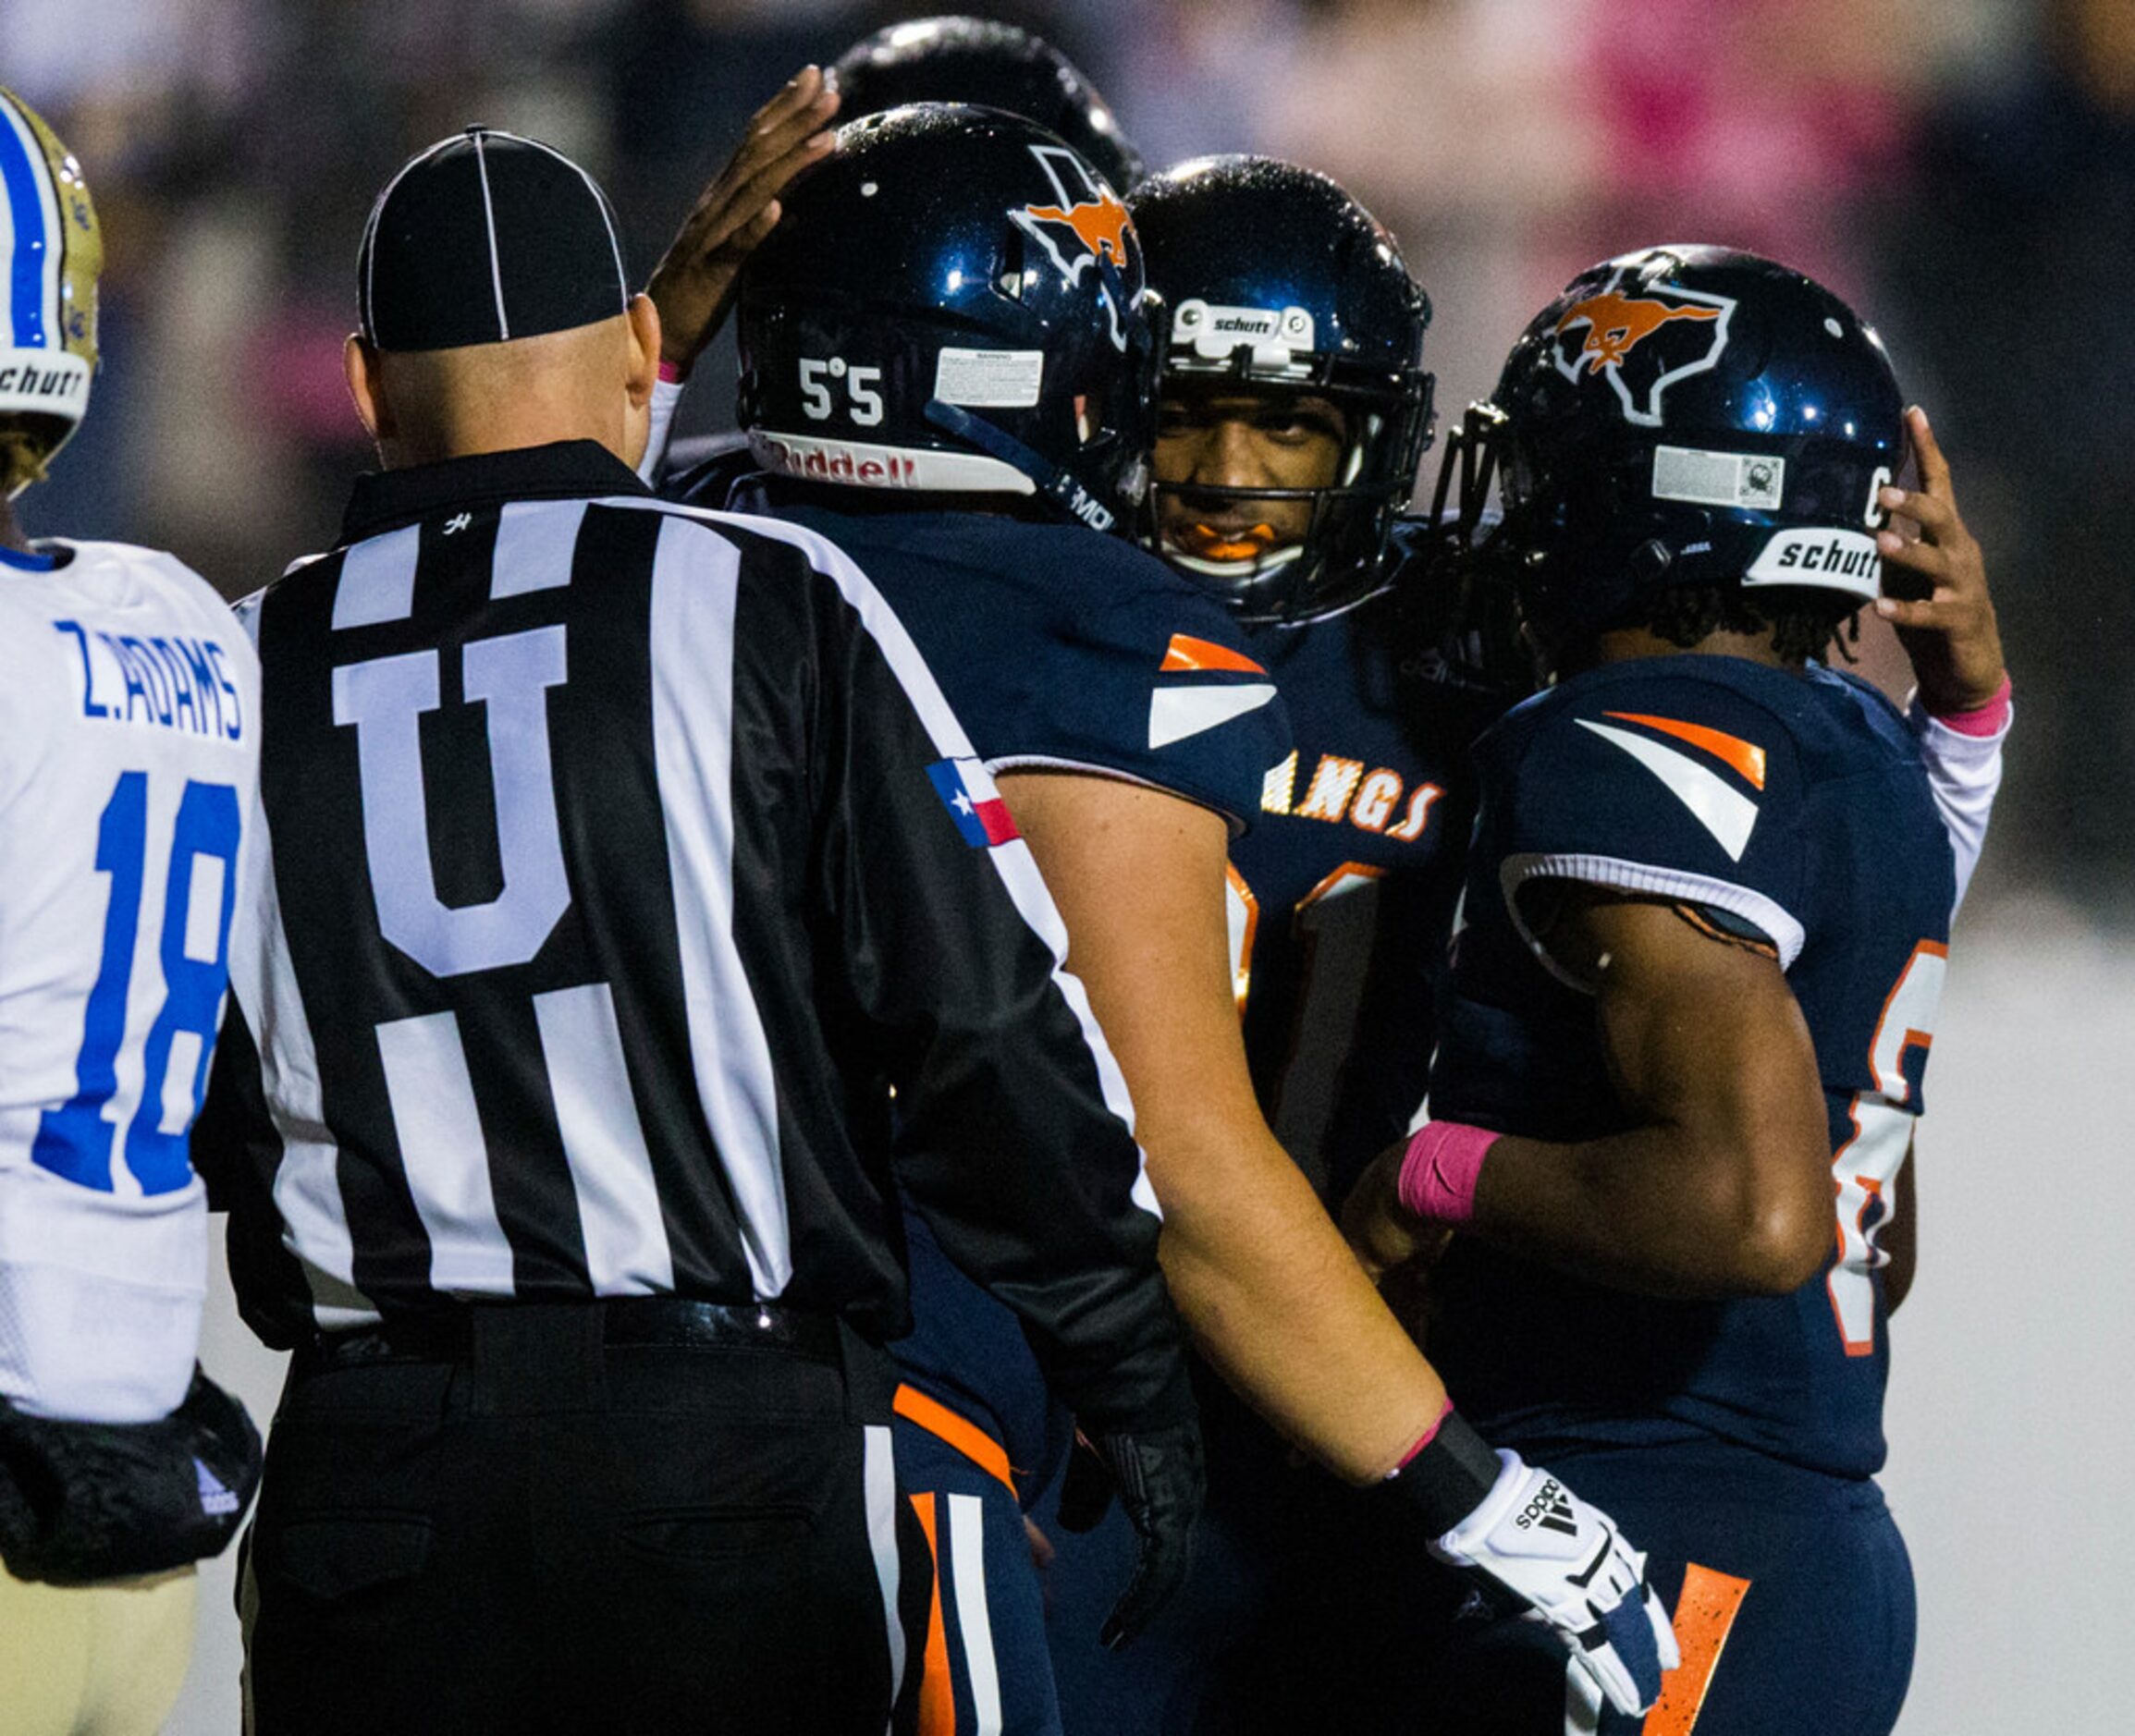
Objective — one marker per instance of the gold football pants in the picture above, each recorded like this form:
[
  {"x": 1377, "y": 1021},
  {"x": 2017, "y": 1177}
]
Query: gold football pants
[{"x": 93, "y": 1660}]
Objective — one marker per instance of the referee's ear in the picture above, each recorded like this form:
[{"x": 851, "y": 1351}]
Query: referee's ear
[
  {"x": 642, "y": 321},
  {"x": 360, "y": 365}
]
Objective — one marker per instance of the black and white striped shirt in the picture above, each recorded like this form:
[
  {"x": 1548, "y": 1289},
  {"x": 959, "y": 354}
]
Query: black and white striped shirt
[{"x": 609, "y": 870}]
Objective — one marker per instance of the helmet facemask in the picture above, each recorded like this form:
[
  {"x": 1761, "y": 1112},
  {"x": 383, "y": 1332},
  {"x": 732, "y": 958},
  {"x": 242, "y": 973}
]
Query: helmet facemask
[
  {"x": 1284, "y": 293},
  {"x": 1283, "y": 552}
]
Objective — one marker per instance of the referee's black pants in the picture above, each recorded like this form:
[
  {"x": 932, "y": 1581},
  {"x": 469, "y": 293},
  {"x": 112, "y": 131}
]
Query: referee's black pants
[{"x": 542, "y": 1529}]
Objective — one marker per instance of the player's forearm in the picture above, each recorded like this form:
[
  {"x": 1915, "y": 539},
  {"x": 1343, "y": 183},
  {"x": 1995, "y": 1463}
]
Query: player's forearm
[
  {"x": 1722, "y": 1184},
  {"x": 1665, "y": 1210},
  {"x": 1282, "y": 1309}
]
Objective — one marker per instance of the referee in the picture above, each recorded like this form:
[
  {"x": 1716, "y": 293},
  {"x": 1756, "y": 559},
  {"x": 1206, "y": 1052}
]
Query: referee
[{"x": 623, "y": 859}]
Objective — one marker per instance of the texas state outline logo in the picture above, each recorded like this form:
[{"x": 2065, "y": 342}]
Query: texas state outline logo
[{"x": 1643, "y": 339}]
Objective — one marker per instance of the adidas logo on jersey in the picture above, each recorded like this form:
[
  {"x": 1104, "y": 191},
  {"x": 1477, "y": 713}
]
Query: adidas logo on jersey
[
  {"x": 215, "y": 1497},
  {"x": 1551, "y": 1508}
]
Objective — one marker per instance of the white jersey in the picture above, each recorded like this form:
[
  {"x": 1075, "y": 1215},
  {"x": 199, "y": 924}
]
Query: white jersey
[{"x": 128, "y": 761}]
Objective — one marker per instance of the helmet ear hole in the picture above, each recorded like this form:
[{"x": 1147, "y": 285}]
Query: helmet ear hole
[
  {"x": 1649, "y": 562},
  {"x": 1015, "y": 266}
]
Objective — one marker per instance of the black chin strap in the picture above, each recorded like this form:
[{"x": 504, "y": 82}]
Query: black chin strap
[{"x": 1056, "y": 485}]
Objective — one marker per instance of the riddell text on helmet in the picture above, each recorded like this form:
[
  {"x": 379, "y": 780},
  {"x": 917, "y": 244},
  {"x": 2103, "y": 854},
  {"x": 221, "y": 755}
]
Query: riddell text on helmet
[{"x": 874, "y": 466}]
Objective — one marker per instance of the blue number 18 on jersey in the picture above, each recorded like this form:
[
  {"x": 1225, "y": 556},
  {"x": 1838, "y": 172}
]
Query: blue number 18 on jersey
[{"x": 75, "y": 1139}]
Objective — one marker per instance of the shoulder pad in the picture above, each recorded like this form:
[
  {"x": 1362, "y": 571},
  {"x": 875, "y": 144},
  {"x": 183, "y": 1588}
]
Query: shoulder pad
[{"x": 1651, "y": 778}]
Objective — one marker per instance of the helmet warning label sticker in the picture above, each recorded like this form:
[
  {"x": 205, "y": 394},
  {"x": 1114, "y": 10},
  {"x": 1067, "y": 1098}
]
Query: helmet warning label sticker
[
  {"x": 1743, "y": 480},
  {"x": 990, "y": 379}
]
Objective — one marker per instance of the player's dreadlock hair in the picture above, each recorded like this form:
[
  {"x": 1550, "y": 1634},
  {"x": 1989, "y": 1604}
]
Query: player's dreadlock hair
[{"x": 1803, "y": 623}]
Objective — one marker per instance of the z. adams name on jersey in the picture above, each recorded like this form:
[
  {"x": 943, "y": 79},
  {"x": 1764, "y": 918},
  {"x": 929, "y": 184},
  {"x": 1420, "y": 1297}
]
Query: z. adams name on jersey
[{"x": 169, "y": 681}]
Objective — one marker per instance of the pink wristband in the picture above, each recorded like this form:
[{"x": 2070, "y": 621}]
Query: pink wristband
[
  {"x": 1982, "y": 720},
  {"x": 1438, "y": 1170},
  {"x": 1422, "y": 1441},
  {"x": 672, "y": 375}
]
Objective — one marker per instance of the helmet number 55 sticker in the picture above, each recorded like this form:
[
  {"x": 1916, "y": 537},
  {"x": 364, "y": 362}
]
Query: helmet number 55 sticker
[{"x": 819, "y": 402}]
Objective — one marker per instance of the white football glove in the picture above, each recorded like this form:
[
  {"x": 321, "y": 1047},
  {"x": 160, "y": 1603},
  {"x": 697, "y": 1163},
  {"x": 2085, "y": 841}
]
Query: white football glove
[{"x": 1564, "y": 1560}]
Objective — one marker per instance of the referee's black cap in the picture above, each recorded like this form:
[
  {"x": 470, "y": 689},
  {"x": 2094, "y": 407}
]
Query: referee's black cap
[{"x": 483, "y": 237}]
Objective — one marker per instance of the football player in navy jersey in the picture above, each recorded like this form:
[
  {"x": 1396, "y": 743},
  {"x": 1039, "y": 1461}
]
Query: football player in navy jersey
[
  {"x": 946, "y": 368},
  {"x": 1706, "y": 923},
  {"x": 1292, "y": 410}
]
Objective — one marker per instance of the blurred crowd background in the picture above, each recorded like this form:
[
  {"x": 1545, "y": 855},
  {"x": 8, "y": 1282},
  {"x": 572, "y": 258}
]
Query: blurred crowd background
[{"x": 1964, "y": 170}]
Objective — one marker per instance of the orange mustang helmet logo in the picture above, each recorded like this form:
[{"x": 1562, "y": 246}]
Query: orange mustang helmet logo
[
  {"x": 1617, "y": 324},
  {"x": 1625, "y": 340},
  {"x": 1099, "y": 224},
  {"x": 1089, "y": 211}
]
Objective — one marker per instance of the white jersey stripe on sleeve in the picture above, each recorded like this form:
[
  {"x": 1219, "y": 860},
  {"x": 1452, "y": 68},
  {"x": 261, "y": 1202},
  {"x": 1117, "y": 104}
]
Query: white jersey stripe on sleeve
[
  {"x": 1721, "y": 809},
  {"x": 1774, "y": 919}
]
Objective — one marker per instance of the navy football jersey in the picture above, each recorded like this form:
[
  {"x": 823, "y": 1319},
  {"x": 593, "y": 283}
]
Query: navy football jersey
[
  {"x": 1342, "y": 894},
  {"x": 1794, "y": 804},
  {"x": 1057, "y": 647}
]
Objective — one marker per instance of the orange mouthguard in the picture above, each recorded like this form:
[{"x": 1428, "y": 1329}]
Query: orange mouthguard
[{"x": 1207, "y": 542}]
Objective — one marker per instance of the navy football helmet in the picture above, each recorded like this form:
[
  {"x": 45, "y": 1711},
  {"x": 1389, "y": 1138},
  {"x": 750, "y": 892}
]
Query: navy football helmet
[
  {"x": 991, "y": 65},
  {"x": 953, "y": 302},
  {"x": 1273, "y": 279},
  {"x": 1685, "y": 415}
]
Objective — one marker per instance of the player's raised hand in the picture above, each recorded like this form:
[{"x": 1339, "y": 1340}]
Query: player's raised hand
[
  {"x": 693, "y": 282},
  {"x": 1565, "y": 1564},
  {"x": 1935, "y": 585}
]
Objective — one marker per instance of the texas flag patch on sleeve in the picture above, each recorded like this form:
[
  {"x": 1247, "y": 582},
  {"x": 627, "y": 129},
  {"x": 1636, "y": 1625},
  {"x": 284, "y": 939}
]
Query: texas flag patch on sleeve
[{"x": 966, "y": 790}]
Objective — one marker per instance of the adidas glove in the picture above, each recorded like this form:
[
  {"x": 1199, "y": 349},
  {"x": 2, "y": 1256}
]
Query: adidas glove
[
  {"x": 1566, "y": 1563},
  {"x": 1158, "y": 1477},
  {"x": 84, "y": 1502}
]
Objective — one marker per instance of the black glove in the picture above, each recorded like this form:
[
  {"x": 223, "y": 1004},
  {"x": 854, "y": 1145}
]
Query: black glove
[
  {"x": 83, "y": 1502},
  {"x": 1159, "y": 1479}
]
